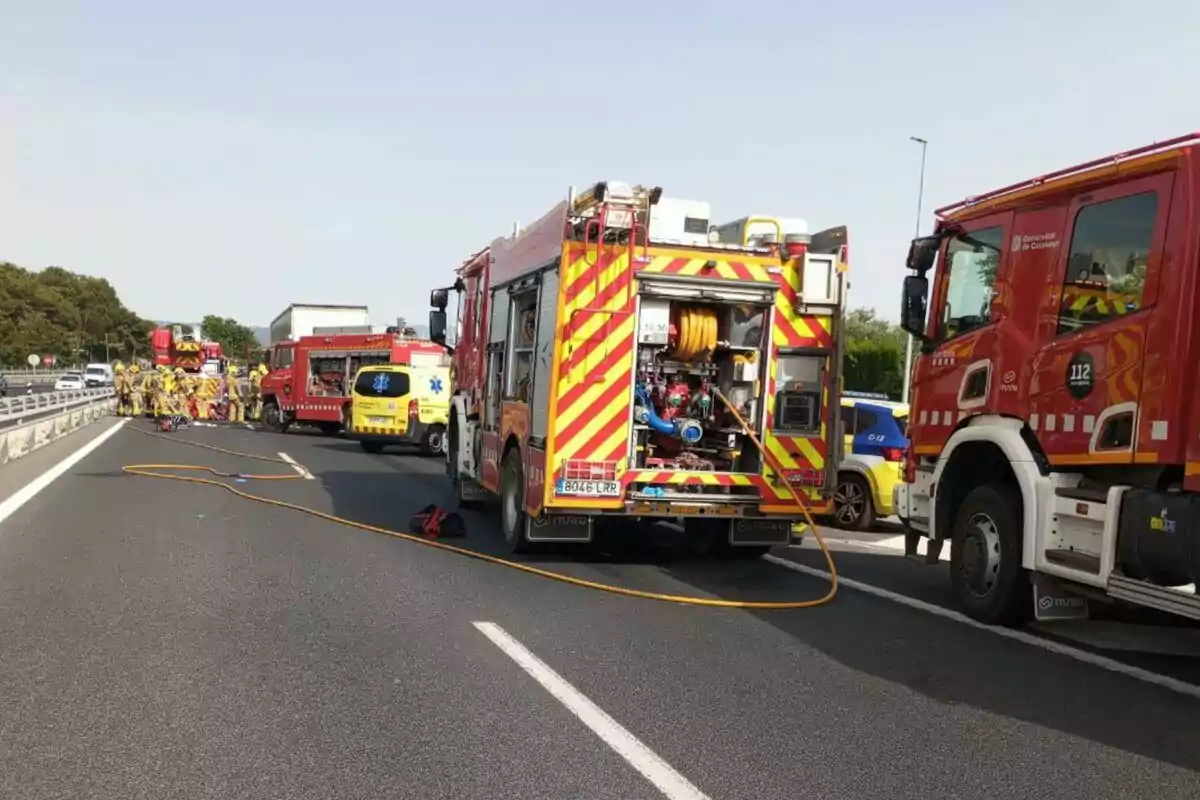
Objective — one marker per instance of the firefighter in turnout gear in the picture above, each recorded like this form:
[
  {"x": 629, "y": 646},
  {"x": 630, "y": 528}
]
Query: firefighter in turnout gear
[
  {"x": 162, "y": 392},
  {"x": 256, "y": 376},
  {"x": 121, "y": 384},
  {"x": 135, "y": 391},
  {"x": 149, "y": 390},
  {"x": 237, "y": 408}
]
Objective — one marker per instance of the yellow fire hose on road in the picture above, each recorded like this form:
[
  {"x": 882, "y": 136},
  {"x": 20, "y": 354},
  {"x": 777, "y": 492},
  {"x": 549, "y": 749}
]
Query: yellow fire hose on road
[{"x": 165, "y": 471}]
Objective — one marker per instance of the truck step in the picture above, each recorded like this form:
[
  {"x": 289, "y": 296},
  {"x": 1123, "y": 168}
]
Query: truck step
[
  {"x": 1086, "y": 495},
  {"x": 1074, "y": 559},
  {"x": 1164, "y": 598}
]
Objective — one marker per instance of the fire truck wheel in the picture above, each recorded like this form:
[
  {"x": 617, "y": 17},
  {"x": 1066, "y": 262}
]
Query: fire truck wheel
[
  {"x": 452, "y": 471},
  {"x": 985, "y": 558},
  {"x": 272, "y": 417},
  {"x": 853, "y": 508},
  {"x": 512, "y": 503}
]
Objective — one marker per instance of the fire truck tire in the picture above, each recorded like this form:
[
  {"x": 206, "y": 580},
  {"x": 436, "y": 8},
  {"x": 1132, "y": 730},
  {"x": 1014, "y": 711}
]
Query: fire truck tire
[
  {"x": 512, "y": 503},
  {"x": 452, "y": 471},
  {"x": 272, "y": 417},
  {"x": 985, "y": 557}
]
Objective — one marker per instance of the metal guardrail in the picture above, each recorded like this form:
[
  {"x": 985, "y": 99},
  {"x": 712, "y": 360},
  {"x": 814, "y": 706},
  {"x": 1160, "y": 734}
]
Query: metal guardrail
[
  {"x": 25, "y": 405},
  {"x": 20, "y": 377},
  {"x": 46, "y": 427}
]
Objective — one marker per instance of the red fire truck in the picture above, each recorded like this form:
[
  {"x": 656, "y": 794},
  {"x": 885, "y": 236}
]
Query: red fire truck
[
  {"x": 310, "y": 378},
  {"x": 179, "y": 346},
  {"x": 1055, "y": 421},
  {"x": 594, "y": 348}
]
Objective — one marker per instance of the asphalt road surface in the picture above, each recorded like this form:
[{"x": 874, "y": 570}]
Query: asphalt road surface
[{"x": 169, "y": 640}]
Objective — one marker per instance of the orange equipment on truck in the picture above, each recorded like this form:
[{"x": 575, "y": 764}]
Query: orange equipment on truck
[
  {"x": 183, "y": 347},
  {"x": 594, "y": 348},
  {"x": 1055, "y": 421},
  {"x": 310, "y": 378}
]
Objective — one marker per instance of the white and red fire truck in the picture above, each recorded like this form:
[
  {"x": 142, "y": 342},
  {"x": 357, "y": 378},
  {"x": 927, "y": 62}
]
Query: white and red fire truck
[
  {"x": 310, "y": 377},
  {"x": 594, "y": 348},
  {"x": 1055, "y": 421}
]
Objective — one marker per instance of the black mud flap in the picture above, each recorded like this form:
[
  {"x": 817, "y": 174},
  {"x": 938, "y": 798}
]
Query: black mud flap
[
  {"x": 769, "y": 532},
  {"x": 1052, "y": 603},
  {"x": 573, "y": 528}
]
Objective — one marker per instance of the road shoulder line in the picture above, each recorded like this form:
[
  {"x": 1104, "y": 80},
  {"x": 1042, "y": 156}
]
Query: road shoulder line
[
  {"x": 30, "y": 490},
  {"x": 1096, "y": 660}
]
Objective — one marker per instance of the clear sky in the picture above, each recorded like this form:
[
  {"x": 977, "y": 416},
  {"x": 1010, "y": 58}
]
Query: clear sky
[{"x": 233, "y": 157}]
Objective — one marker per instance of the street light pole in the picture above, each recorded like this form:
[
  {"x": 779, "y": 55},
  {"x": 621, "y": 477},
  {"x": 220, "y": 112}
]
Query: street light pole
[{"x": 908, "y": 345}]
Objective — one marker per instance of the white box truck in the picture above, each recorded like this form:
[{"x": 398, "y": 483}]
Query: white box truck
[{"x": 302, "y": 319}]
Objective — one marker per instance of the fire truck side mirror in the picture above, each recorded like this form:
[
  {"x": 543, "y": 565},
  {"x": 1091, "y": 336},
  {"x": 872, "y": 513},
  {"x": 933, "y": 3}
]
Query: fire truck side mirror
[
  {"x": 437, "y": 326},
  {"x": 922, "y": 253},
  {"x": 913, "y": 305},
  {"x": 439, "y": 298}
]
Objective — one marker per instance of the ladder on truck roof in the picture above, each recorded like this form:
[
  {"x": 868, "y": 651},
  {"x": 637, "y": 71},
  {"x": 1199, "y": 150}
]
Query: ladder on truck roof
[{"x": 609, "y": 210}]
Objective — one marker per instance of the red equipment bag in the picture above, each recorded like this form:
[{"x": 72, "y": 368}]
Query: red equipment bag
[{"x": 436, "y": 523}]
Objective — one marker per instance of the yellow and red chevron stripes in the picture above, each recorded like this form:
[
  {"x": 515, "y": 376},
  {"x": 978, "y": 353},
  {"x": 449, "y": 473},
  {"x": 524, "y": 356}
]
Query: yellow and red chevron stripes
[
  {"x": 791, "y": 330},
  {"x": 798, "y": 330},
  {"x": 675, "y": 477},
  {"x": 687, "y": 265},
  {"x": 595, "y": 366}
]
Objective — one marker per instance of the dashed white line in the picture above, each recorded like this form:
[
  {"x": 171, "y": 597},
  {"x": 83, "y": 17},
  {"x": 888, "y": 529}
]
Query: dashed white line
[
  {"x": 31, "y": 489},
  {"x": 301, "y": 471},
  {"x": 652, "y": 767},
  {"x": 1112, "y": 665}
]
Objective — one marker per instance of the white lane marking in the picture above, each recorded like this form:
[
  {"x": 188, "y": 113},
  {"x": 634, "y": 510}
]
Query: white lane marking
[
  {"x": 31, "y": 489},
  {"x": 890, "y": 544},
  {"x": 640, "y": 757},
  {"x": 299, "y": 469},
  {"x": 1112, "y": 665}
]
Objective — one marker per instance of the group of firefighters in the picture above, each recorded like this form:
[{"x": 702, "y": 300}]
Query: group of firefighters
[{"x": 163, "y": 392}]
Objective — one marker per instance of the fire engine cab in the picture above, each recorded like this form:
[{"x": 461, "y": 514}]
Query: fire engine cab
[
  {"x": 1055, "y": 421},
  {"x": 620, "y": 356}
]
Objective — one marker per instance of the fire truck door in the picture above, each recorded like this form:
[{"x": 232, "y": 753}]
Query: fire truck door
[
  {"x": 963, "y": 328},
  {"x": 1087, "y": 404}
]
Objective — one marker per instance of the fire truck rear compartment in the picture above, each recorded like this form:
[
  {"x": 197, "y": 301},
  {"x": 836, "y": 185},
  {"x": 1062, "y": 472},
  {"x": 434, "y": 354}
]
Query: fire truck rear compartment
[{"x": 687, "y": 349}]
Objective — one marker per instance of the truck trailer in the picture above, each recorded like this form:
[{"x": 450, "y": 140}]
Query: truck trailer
[
  {"x": 1055, "y": 421},
  {"x": 300, "y": 319},
  {"x": 614, "y": 360}
]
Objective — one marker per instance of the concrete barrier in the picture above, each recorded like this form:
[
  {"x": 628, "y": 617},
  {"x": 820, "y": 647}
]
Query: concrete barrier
[{"x": 23, "y": 439}]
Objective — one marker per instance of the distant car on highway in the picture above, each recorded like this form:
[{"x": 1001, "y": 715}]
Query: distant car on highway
[{"x": 69, "y": 382}]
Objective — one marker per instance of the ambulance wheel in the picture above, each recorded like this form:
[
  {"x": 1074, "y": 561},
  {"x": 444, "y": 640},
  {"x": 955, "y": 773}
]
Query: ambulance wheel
[
  {"x": 431, "y": 443},
  {"x": 512, "y": 503},
  {"x": 985, "y": 557},
  {"x": 371, "y": 447}
]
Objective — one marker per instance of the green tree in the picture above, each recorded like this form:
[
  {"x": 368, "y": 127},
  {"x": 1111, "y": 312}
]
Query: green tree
[
  {"x": 73, "y": 317},
  {"x": 874, "y": 354},
  {"x": 235, "y": 338}
]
